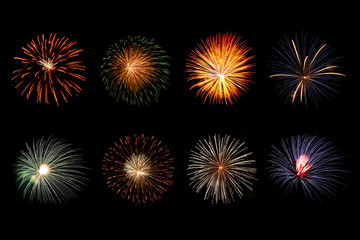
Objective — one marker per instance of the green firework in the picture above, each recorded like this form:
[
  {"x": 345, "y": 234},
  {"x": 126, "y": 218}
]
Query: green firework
[
  {"x": 136, "y": 71},
  {"x": 50, "y": 171}
]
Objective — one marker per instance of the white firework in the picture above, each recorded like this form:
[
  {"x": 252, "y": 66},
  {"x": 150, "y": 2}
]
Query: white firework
[
  {"x": 50, "y": 171},
  {"x": 221, "y": 167}
]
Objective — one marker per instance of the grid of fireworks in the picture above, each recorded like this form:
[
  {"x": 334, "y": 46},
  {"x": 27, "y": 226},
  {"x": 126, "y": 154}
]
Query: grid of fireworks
[{"x": 140, "y": 168}]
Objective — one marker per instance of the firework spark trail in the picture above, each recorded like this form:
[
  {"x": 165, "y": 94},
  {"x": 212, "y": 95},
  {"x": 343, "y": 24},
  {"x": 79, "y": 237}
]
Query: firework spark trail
[
  {"x": 308, "y": 162},
  {"x": 221, "y": 166},
  {"x": 304, "y": 70},
  {"x": 138, "y": 168},
  {"x": 49, "y": 68},
  {"x": 136, "y": 70},
  {"x": 50, "y": 171},
  {"x": 220, "y": 68}
]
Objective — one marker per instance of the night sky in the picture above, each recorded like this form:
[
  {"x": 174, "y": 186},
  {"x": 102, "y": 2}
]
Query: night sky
[{"x": 93, "y": 121}]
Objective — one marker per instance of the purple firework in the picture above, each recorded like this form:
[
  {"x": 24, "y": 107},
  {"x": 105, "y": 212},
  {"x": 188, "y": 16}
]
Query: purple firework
[
  {"x": 305, "y": 71},
  {"x": 309, "y": 163}
]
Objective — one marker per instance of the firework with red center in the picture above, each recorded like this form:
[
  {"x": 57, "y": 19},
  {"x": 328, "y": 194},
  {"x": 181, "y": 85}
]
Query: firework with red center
[
  {"x": 138, "y": 168},
  {"x": 220, "y": 68},
  {"x": 308, "y": 163},
  {"x": 50, "y": 70}
]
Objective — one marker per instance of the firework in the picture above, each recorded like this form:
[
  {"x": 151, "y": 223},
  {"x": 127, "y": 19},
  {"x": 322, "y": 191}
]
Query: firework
[
  {"x": 304, "y": 70},
  {"x": 308, "y": 163},
  {"x": 50, "y": 171},
  {"x": 220, "y": 68},
  {"x": 221, "y": 166},
  {"x": 49, "y": 68},
  {"x": 138, "y": 168},
  {"x": 135, "y": 70}
]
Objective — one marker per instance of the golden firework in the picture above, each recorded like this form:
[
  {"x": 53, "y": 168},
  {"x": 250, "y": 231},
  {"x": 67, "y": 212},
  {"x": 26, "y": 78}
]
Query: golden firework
[
  {"x": 220, "y": 68},
  {"x": 135, "y": 67}
]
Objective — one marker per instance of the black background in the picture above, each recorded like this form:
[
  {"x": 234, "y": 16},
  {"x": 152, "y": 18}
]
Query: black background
[{"x": 94, "y": 121}]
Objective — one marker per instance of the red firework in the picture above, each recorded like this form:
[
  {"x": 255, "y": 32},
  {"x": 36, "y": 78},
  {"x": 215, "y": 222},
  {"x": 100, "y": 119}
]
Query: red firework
[
  {"x": 138, "y": 168},
  {"x": 302, "y": 166},
  {"x": 49, "y": 68}
]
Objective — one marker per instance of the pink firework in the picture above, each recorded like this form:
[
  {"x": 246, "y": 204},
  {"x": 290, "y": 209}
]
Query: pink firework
[{"x": 302, "y": 166}]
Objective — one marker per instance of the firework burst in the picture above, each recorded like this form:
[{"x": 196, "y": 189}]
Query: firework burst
[
  {"x": 135, "y": 70},
  {"x": 220, "y": 68},
  {"x": 49, "y": 68},
  {"x": 307, "y": 162},
  {"x": 221, "y": 166},
  {"x": 304, "y": 70},
  {"x": 50, "y": 171},
  {"x": 138, "y": 168}
]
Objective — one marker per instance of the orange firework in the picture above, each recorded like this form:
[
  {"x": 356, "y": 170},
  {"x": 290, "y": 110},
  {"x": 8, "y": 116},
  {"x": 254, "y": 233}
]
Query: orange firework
[
  {"x": 49, "y": 68},
  {"x": 221, "y": 68},
  {"x": 135, "y": 67}
]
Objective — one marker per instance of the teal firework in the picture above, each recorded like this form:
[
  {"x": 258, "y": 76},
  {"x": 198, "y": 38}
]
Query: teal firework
[{"x": 136, "y": 71}]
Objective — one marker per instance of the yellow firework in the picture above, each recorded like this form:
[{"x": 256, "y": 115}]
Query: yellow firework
[{"x": 220, "y": 68}]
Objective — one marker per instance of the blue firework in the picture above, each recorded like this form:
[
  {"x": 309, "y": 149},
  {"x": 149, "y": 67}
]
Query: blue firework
[
  {"x": 305, "y": 71},
  {"x": 307, "y": 164}
]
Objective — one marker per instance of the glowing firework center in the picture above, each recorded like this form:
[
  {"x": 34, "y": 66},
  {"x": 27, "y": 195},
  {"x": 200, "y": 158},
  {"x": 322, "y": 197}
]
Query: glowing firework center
[
  {"x": 43, "y": 169},
  {"x": 302, "y": 166},
  {"x": 136, "y": 166}
]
